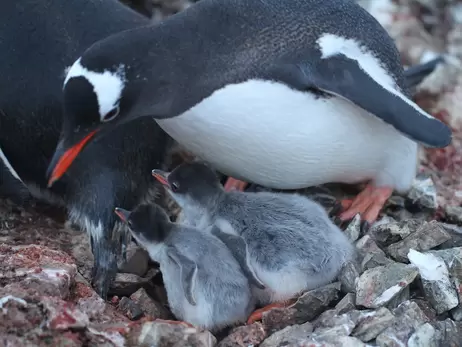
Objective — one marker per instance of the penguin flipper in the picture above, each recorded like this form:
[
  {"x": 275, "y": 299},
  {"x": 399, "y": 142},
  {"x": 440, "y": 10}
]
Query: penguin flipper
[
  {"x": 239, "y": 250},
  {"x": 416, "y": 73},
  {"x": 344, "y": 77},
  {"x": 188, "y": 274}
]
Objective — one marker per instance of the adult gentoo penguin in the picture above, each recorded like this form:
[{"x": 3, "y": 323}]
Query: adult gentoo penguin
[
  {"x": 286, "y": 94},
  {"x": 39, "y": 39}
]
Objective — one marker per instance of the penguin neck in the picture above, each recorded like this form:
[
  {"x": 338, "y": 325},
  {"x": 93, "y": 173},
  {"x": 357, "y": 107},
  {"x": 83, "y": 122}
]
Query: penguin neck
[
  {"x": 210, "y": 198},
  {"x": 207, "y": 200}
]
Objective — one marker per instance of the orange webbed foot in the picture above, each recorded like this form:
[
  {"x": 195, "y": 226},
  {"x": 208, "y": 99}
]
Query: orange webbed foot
[
  {"x": 234, "y": 184},
  {"x": 368, "y": 203}
]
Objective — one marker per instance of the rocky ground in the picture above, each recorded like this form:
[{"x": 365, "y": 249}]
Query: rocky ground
[{"x": 406, "y": 288}]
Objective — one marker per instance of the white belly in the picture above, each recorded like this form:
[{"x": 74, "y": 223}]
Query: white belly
[{"x": 269, "y": 134}]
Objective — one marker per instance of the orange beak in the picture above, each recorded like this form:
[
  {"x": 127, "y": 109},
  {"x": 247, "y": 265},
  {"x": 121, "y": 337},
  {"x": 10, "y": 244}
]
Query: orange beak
[
  {"x": 123, "y": 214},
  {"x": 67, "y": 159},
  {"x": 161, "y": 176}
]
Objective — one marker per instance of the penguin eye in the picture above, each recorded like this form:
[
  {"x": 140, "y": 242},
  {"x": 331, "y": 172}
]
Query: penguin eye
[
  {"x": 175, "y": 186},
  {"x": 111, "y": 114}
]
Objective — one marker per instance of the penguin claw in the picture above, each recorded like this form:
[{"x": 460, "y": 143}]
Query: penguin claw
[
  {"x": 368, "y": 203},
  {"x": 234, "y": 184}
]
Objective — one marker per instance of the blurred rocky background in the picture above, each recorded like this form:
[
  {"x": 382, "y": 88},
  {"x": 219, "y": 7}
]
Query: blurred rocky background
[{"x": 405, "y": 291}]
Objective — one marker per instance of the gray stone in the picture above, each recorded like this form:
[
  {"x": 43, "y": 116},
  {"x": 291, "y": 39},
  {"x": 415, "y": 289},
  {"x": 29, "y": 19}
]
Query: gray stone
[
  {"x": 348, "y": 276},
  {"x": 325, "y": 319},
  {"x": 373, "y": 260},
  {"x": 349, "y": 341},
  {"x": 398, "y": 299},
  {"x": 428, "y": 236},
  {"x": 378, "y": 286},
  {"x": 448, "y": 255},
  {"x": 333, "y": 332},
  {"x": 347, "y": 303},
  {"x": 424, "y": 336},
  {"x": 278, "y": 318},
  {"x": 388, "y": 233},
  {"x": 161, "y": 334},
  {"x": 125, "y": 284},
  {"x": 438, "y": 288},
  {"x": 371, "y": 323},
  {"x": 453, "y": 213},
  {"x": 366, "y": 244},
  {"x": 314, "y": 302},
  {"x": 456, "y": 313},
  {"x": 455, "y": 232},
  {"x": 372, "y": 255},
  {"x": 287, "y": 334},
  {"x": 244, "y": 336},
  {"x": 330, "y": 319},
  {"x": 130, "y": 308},
  {"x": 353, "y": 229},
  {"x": 137, "y": 263},
  {"x": 449, "y": 333},
  {"x": 149, "y": 306},
  {"x": 408, "y": 317},
  {"x": 455, "y": 271},
  {"x": 423, "y": 191},
  {"x": 426, "y": 308}
]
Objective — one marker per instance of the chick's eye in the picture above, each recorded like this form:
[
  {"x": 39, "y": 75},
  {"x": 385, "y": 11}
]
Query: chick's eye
[
  {"x": 111, "y": 114},
  {"x": 175, "y": 186}
]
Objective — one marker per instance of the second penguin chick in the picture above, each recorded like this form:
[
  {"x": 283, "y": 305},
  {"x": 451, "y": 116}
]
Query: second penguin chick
[
  {"x": 204, "y": 283},
  {"x": 286, "y": 240}
]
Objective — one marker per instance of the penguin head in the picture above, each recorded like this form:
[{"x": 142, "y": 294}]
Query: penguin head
[
  {"x": 190, "y": 182},
  {"x": 101, "y": 90},
  {"x": 148, "y": 223}
]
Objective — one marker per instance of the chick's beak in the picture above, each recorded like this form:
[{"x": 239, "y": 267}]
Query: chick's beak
[
  {"x": 123, "y": 214},
  {"x": 162, "y": 177},
  {"x": 64, "y": 157}
]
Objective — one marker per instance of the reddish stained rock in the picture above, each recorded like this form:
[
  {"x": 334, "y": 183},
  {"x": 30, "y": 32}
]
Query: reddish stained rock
[
  {"x": 82, "y": 290},
  {"x": 97, "y": 310},
  {"x": 247, "y": 335},
  {"x": 63, "y": 315},
  {"x": 163, "y": 334},
  {"x": 36, "y": 287},
  {"x": 36, "y": 271},
  {"x": 18, "y": 315},
  {"x": 33, "y": 256}
]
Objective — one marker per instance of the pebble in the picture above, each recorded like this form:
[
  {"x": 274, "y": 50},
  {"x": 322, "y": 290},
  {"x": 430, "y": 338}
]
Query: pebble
[
  {"x": 378, "y": 286},
  {"x": 437, "y": 286}
]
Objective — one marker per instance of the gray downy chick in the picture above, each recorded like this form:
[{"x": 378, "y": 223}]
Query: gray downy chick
[
  {"x": 204, "y": 283},
  {"x": 286, "y": 243}
]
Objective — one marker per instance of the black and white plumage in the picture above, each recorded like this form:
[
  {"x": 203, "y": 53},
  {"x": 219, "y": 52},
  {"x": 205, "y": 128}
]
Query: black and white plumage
[
  {"x": 204, "y": 283},
  {"x": 286, "y": 242},
  {"x": 286, "y": 94},
  {"x": 40, "y": 39}
]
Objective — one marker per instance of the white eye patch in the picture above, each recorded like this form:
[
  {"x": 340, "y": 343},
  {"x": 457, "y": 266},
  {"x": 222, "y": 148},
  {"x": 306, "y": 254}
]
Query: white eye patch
[{"x": 107, "y": 85}]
